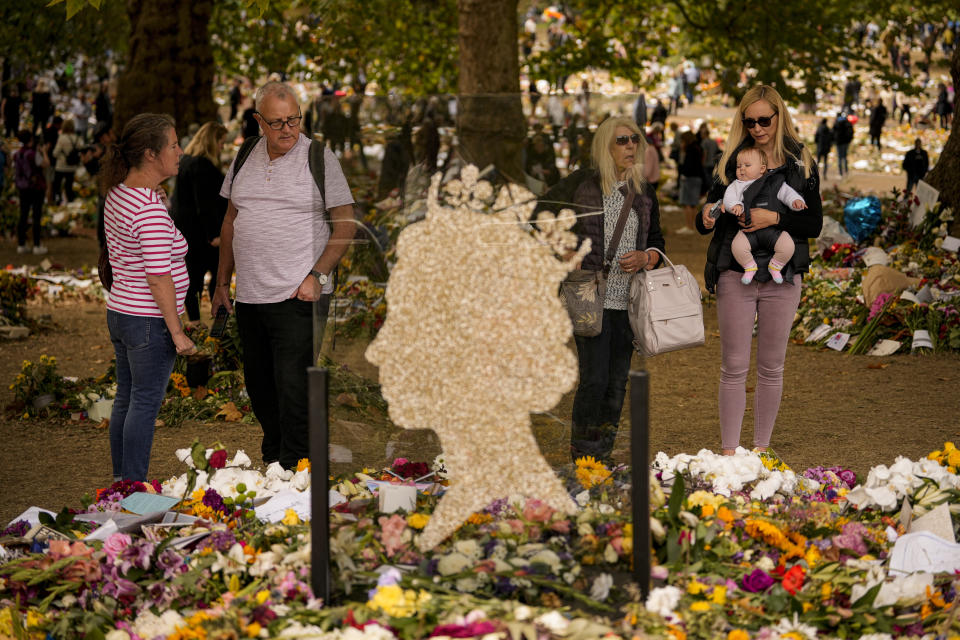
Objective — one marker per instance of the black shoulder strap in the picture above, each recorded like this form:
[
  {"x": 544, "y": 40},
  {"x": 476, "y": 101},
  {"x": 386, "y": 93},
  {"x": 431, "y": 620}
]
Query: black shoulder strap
[
  {"x": 315, "y": 159},
  {"x": 244, "y": 153}
]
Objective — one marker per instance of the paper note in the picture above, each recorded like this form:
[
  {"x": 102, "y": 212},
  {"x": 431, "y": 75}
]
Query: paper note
[
  {"x": 103, "y": 532},
  {"x": 31, "y": 515},
  {"x": 884, "y": 348},
  {"x": 909, "y": 295},
  {"x": 838, "y": 340},
  {"x": 951, "y": 244},
  {"x": 397, "y": 497},
  {"x": 143, "y": 502},
  {"x": 927, "y": 197},
  {"x": 274, "y": 509},
  {"x": 819, "y": 333},
  {"x": 921, "y": 340},
  {"x": 924, "y": 551},
  {"x": 937, "y": 521}
]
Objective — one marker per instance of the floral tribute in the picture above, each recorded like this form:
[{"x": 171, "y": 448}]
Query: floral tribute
[
  {"x": 743, "y": 546},
  {"x": 834, "y": 298}
]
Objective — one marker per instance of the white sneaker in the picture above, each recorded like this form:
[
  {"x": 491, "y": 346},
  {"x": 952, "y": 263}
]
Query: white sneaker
[
  {"x": 684, "y": 231},
  {"x": 23, "y": 249},
  {"x": 39, "y": 249}
]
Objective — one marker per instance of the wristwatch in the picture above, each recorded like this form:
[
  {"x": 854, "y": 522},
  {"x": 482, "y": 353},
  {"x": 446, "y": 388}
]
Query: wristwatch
[{"x": 321, "y": 277}]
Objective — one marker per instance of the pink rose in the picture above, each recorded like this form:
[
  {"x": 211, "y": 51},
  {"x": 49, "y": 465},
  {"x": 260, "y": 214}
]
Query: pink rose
[
  {"x": 115, "y": 545},
  {"x": 218, "y": 459},
  {"x": 391, "y": 530},
  {"x": 537, "y": 510}
]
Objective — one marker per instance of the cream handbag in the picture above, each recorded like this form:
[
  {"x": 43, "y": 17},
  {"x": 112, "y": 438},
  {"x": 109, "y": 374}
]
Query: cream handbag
[{"x": 665, "y": 309}]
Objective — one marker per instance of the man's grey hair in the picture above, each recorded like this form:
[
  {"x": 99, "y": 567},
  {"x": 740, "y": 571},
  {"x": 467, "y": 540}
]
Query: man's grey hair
[{"x": 276, "y": 90}]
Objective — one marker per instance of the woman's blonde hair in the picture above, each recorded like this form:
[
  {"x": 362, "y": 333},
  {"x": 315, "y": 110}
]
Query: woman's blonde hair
[
  {"x": 603, "y": 159},
  {"x": 784, "y": 132},
  {"x": 206, "y": 142}
]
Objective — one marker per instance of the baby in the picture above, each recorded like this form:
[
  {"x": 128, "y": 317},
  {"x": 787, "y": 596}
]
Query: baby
[{"x": 752, "y": 165}]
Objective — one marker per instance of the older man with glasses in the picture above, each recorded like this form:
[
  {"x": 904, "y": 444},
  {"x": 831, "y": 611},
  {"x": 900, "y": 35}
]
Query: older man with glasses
[{"x": 278, "y": 238}]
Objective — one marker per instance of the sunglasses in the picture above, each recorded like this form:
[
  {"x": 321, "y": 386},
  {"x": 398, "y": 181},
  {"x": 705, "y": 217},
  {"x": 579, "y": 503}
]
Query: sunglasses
[
  {"x": 763, "y": 121},
  {"x": 623, "y": 140}
]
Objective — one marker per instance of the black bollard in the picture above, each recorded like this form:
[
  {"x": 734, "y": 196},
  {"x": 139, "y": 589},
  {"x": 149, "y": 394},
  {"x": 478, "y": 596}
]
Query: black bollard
[
  {"x": 319, "y": 491},
  {"x": 640, "y": 476}
]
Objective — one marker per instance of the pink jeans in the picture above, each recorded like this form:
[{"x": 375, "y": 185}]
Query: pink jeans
[{"x": 774, "y": 306}]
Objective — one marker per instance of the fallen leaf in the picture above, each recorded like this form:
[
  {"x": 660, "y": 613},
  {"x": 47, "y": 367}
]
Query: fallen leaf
[
  {"x": 229, "y": 413},
  {"x": 158, "y": 423},
  {"x": 714, "y": 334},
  {"x": 103, "y": 424},
  {"x": 749, "y": 389},
  {"x": 96, "y": 346},
  {"x": 879, "y": 365},
  {"x": 200, "y": 393},
  {"x": 348, "y": 400}
]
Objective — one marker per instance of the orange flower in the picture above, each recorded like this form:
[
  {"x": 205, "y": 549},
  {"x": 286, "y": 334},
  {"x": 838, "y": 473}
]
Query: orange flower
[{"x": 793, "y": 579}]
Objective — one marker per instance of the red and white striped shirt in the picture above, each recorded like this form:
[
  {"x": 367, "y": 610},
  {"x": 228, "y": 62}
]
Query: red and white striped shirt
[{"x": 142, "y": 240}]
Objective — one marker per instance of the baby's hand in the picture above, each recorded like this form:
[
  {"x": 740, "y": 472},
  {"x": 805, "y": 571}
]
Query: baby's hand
[
  {"x": 799, "y": 204},
  {"x": 737, "y": 210}
]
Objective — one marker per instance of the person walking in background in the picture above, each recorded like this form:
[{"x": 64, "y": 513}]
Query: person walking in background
[
  {"x": 29, "y": 163},
  {"x": 878, "y": 116},
  {"x": 197, "y": 208},
  {"x": 691, "y": 177},
  {"x": 236, "y": 97},
  {"x": 843, "y": 134},
  {"x": 11, "y": 112},
  {"x": 823, "y": 138},
  {"x": 711, "y": 154},
  {"x": 102, "y": 105},
  {"x": 41, "y": 106},
  {"x": 762, "y": 122},
  {"x": 943, "y": 107},
  {"x": 150, "y": 282},
  {"x": 916, "y": 163},
  {"x": 66, "y": 156}
]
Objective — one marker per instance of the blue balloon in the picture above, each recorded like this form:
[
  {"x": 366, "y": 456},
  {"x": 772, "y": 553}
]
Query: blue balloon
[{"x": 862, "y": 216}]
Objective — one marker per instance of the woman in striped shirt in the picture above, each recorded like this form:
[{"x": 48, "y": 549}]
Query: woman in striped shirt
[{"x": 149, "y": 284}]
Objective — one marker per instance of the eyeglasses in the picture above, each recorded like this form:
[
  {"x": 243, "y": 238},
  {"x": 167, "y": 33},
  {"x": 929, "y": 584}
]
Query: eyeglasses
[
  {"x": 623, "y": 140},
  {"x": 763, "y": 121},
  {"x": 276, "y": 125}
]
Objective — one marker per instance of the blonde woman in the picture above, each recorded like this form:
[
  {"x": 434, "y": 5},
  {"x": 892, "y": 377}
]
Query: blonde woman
[
  {"x": 198, "y": 209},
  {"x": 618, "y": 150},
  {"x": 761, "y": 122}
]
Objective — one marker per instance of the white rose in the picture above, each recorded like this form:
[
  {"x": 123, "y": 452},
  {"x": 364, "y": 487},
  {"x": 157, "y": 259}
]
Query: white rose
[
  {"x": 240, "y": 460},
  {"x": 600, "y": 588},
  {"x": 453, "y": 563},
  {"x": 553, "y": 621},
  {"x": 663, "y": 600}
]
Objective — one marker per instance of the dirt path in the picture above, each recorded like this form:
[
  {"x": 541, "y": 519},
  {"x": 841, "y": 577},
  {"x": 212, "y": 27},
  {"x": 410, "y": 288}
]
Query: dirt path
[{"x": 836, "y": 410}]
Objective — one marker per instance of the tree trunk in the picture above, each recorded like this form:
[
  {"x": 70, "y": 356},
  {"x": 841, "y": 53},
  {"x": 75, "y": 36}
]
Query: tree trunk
[
  {"x": 491, "y": 126},
  {"x": 170, "y": 64},
  {"x": 945, "y": 175}
]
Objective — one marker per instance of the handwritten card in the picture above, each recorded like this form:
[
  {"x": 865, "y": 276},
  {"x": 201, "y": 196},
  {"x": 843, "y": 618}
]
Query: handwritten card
[
  {"x": 143, "y": 502},
  {"x": 838, "y": 341},
  {"x": 274, "y": 509},
  {"x": 927, "y": 197}
]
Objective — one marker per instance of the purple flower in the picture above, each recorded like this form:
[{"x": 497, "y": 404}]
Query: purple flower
[
  {"x": 17, "y": 529},
  {"x": 220, "y": 540},
  {"x": 756, "y": 581},
  {"x": 472, "y": 630},
  {"x": 171, "y": 563},
  {"x": 213, "y": 500},
  {"x": 851, "y": 538},
  {"x": 136, "y": 555}
]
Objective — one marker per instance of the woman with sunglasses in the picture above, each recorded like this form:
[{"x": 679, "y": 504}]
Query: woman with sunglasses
[
  {"x": 617, "y": 153},
  {"x": 762, "y": 122}
]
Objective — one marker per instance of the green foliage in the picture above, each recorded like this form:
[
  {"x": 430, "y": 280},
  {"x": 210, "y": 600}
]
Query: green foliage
[
  {"x": 35, "y": 35},
  {"x": 14, "y": 290}
]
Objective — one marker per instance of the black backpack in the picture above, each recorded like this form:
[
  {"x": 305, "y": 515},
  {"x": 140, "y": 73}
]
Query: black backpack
[{"x": 73, "y": 156}]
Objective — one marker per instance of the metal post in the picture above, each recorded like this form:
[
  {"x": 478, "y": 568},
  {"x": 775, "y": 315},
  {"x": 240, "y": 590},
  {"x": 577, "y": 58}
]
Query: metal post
[
  {"x": 319, "y": 492},
  {"x": 640, "y": 476}
]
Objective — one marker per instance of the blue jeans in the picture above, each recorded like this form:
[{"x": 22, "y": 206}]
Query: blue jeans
[
  {"x": 604, "y": 368},
  {"x": 145, "y": 356},
  {"x": 842, "y": 158},
  {"x": 278, "y": 344}
]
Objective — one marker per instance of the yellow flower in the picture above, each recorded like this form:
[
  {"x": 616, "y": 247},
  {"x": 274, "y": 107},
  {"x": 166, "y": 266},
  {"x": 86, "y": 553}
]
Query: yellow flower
[
  {"x": 719, "y": 594},
  {"x": 252, "y": 630},
  {"x": 591, "y": 473},
  {"x": 262, "y": 596},
  {"x": 418, "y": 520},
  {"x": 701, "y": 498},
  {"x": 290, "y": 517},
  {"x": 695, "y": 588},
  {"x": 303, "y": 464},
  {"x": 738, "y": 634},
  {"x": 700, "y": 606},
  {"x": 480, "y": 518}
]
